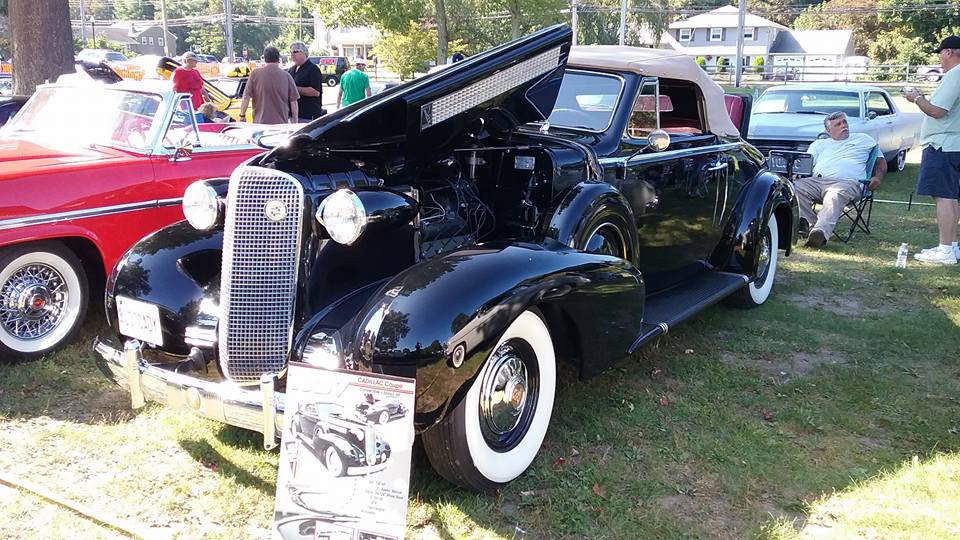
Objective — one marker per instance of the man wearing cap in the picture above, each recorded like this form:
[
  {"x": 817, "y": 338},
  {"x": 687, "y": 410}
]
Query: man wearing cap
[
  {"x": 187, "y": 79},
  {"x": 273, "y": 92},
  {"x": 940, "y": 165},
  {"x": 306, "y": 75}
]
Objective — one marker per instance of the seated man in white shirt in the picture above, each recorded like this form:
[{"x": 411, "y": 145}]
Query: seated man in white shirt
[{"x": 839, "y": 163}]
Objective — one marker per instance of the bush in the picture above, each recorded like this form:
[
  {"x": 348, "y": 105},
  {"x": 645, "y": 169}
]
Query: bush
[
  {"x": 722, "y": 64},
  {"x": 702, "y": 62},
  {"x": 758, "y": 64}
]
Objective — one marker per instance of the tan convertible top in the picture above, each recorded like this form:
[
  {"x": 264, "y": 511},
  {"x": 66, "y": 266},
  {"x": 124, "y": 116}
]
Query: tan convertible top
[{"x": 659, "y": 63}]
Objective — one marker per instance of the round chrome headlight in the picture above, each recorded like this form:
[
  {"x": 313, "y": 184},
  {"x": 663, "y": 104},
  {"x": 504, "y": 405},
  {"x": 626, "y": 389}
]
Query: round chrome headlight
[
  {"x": 343, "y": 215},
  {"x": 201, "y": 206}
]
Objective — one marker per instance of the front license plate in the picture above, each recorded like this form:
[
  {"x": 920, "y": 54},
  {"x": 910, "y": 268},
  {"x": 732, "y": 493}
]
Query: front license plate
[{"x": 139, "y": 320}]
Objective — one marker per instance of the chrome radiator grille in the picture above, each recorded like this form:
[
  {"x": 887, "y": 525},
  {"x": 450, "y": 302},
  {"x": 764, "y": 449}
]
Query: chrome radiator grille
[{"x": 261, "y": 248}]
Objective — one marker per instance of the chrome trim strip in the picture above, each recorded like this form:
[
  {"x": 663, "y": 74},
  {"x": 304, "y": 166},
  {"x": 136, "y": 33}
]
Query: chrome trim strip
[
  {"x": 224, "y": 402},
  {"x": 671, "y": 154},
  {"x": 85, "y": 213}
]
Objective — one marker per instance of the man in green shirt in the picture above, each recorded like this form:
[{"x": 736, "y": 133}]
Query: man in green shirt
[
  {"x": 940, "y": 165},
  {"x": 354, "y": 86}
]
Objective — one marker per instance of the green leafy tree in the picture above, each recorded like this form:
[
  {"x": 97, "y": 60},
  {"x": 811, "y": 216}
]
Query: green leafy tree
[
  {"x": 758, "y": 64},
  {"x": 917, "y": 18},
  {"x": 134, "y": 10},
  {"x": 407, "y": 52},
  {"x": 208, "y": 39},
  {"x": 864, "y": 23}
]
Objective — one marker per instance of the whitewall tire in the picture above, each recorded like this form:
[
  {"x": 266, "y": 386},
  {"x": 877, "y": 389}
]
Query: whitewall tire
[
  {"x": 43, "y": 299},
  {"x": 758, "y": 290},
  {"x": 496, "y": 431}
]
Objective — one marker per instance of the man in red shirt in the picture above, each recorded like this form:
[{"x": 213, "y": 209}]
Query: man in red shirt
[{"x": 186, "y": 78}]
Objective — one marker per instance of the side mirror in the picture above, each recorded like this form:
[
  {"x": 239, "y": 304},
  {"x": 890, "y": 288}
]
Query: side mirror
[
  {"x": 871, "y": 115},
  {"x": 658, "y": 140},
  {"x": 182, "y": 153}
]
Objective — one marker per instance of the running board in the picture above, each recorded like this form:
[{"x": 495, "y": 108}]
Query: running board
[{"x": 673, "y": 306}]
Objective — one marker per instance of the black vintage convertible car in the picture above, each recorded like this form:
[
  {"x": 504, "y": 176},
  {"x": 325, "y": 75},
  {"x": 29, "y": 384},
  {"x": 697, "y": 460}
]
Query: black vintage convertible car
[
  {"x": 471, "y": 228},
  {"x": 380, "y": 411},
  {"x": 344, "y": 445}
]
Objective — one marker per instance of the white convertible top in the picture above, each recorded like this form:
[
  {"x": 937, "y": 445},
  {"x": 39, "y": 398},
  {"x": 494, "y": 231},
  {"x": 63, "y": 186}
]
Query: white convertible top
[{"x": 659, "y": 63}]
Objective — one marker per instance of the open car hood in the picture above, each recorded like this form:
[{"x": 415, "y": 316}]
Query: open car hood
[{"x": 489, "y": 93}]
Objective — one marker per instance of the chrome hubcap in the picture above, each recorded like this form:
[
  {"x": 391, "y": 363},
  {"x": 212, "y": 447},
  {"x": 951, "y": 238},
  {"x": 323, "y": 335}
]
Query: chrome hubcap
[
  {"x": 901, "y": 161},
  {"x": 32, "y": 301},
  {"x": 763, "y": 261},
  {"x": 503, "y": 394}
]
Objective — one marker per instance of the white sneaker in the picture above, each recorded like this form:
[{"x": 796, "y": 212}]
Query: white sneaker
[
  {"x": 956, "y": 251},
  {"x": 937, "y": 256}
]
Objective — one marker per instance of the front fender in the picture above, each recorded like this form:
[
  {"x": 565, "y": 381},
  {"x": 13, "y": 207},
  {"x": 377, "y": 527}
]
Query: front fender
[
  {"x": 766, "y": 194},
  {"x": 411, "y": 326},
  {"x": 178, "y": 269},
  {"x": 582, "y": 205}
]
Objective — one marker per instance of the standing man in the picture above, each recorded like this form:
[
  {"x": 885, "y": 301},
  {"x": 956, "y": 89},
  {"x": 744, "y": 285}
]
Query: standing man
[
  {"x": 187, "y": 79},
  {"x": 940, "y": 165},
  {"x": 354, "y": 86},
  {"x": 273, "y": 92},
  {"x": 306, "y": 75}
]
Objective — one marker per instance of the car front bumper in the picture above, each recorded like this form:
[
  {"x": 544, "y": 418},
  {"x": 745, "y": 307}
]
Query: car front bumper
[{"x": 258, "y": 409}]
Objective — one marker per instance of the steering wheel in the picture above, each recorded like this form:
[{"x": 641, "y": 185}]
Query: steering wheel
[{"x": 572, "y": 116}]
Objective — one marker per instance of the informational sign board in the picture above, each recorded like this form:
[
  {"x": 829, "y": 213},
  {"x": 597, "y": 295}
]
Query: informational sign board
[{"x": 344, "y": 455}]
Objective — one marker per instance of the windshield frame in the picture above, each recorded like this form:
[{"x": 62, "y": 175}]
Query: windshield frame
[
  {"x": 856, "y": 94},
  {"x": 159, "y": 120},
  {"x": 613, "y": 112}
]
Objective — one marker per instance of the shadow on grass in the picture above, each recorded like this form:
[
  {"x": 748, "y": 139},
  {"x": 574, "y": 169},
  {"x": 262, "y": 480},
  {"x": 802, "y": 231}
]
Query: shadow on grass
[{"x": 204, "y": 453}]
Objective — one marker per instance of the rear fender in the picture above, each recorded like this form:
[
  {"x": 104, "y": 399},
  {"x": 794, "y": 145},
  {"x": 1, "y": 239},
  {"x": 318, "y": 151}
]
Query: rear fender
[
  {"x": 766, "y": 194},
  {"x": 178, "y": 269},
  {"x": 412, "y": 325}
]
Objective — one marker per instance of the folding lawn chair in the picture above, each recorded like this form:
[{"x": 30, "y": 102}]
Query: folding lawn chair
[{"x": 855, "y": 209}]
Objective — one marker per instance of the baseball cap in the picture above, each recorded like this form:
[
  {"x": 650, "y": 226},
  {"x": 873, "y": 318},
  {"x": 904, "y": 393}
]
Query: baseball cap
[
  {"x": 949, "y": 42},
  {"x": 189, "y": 56}
]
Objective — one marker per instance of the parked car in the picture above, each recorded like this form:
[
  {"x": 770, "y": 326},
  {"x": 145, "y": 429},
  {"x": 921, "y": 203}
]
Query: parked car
[
  {"x": 223, "y": 93},
  {"x": 790, "y": 117},
  {"x": 80, "y": 186},
  {"x": 455, "y": 230},
  {"x": 930, "y": 73},
  {"x": 332, "y": 68},
  {"x": 345, "y": 446},
  {"x": 9, "y": 105},
  {"x": 381, "y": 411},
  {"x": 101, "y": 55}
]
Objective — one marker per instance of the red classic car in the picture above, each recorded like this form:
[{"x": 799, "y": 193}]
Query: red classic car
[{"x": 86, "y": 170}]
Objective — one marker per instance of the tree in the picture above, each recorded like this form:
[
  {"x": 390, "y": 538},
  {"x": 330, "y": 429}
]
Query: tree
[
  {"x": 134, "y": 10},
  {"x": 758, "y": 64},
  {"x": 865, "y": 23},
  {"x": 42, "y": 42},
  {"x": 407, "y": 52},
  {"x": 702, "y": 62},
  {"x": 915, "y": 18}
]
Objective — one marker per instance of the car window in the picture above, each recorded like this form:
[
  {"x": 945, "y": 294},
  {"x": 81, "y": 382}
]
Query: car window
[
  {"x": 808, "y": 102},
  {"x": 586, "y": 101},
  {"x": 877, "y": 102},
  {"x": 182, "y": 130},
  {"x": 116, "y": 57},
  {"x": 230, "y": 87},
  {"x": 643, "y": 117}
]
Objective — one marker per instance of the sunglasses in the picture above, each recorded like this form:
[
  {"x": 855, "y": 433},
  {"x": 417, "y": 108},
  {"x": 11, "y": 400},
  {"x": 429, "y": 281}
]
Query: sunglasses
[{"x": 296, "y": 51}]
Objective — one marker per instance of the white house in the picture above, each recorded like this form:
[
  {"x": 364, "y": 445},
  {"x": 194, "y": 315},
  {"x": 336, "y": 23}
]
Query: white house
[
  {"x": 352, "y": 42},
  {"x": 713, "y": 35},
  {"x": 817, "y": 55}
]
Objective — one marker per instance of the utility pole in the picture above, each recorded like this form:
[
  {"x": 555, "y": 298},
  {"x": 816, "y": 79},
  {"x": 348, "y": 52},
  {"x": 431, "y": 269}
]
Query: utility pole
[
  {"x": 163, "y": 18},
  {"x": 83, "y": 27},
  {"x": 740, "y": 21},
  {"x": 623, "y": 22},
  {"x": 228, "y": 28},
  {"x": 573, "y": 19},
  {"x": 300, "y": 13}
]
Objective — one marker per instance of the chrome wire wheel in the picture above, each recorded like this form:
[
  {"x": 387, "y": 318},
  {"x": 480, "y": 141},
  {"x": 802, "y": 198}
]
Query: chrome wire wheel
[
  {"x": 34, "y": 301},
  {"x": 42, "y": 298}
]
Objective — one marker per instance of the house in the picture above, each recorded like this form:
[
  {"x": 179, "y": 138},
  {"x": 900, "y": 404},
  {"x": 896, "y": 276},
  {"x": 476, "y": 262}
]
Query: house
[
  {"x": 352, "y": 42},
  {"x": 713, "y": 35},
  {"x": 141, "y": 38},
  {"x": 815, "y": 55}
]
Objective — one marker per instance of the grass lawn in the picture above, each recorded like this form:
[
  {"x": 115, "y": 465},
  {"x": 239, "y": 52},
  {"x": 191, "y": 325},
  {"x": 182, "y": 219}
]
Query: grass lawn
[{"x": 832, "y": 411}]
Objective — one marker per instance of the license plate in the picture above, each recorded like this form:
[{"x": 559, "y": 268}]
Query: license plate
[{"x": 139, "y": 320}]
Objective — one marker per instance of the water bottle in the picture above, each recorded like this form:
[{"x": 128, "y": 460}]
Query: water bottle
[{"x": 902, "y": 256}]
